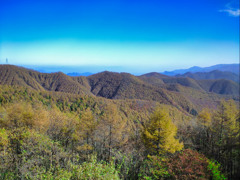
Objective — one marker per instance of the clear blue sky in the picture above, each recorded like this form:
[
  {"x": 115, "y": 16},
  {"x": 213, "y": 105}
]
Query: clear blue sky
[{"x": 137, "y": 35}]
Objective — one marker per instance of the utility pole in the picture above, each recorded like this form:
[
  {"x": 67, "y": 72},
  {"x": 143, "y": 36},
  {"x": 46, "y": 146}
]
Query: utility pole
[{"x": 6, "y": 60}]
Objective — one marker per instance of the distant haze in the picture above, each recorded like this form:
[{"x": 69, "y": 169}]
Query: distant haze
[{"x": 89, "y": 70}]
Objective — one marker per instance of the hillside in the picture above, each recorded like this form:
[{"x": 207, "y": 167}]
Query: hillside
[
  {"x": 17, "y": 76},
  {"x": 216, "y": 74},
  {"x": 218, "y": 86},
  {"x": 122, "y": 86},
  {"x": 13, "y": 75}
]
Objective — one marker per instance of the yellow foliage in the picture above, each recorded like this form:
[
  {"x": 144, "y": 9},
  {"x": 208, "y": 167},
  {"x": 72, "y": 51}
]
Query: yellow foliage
[
  {"x": 204, "y": 118},
  {"x": 159, "y": 134},
  {"x": 3, "y": 139},
  {"x": 225, "y": 119}
]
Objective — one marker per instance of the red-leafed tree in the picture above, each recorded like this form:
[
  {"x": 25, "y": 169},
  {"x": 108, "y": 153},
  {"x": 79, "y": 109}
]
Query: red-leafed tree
[{"x": 188, "y": 164}]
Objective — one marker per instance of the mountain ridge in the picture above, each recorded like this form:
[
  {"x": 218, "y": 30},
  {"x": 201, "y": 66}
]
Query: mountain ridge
[{"x": 184, "y": 93}]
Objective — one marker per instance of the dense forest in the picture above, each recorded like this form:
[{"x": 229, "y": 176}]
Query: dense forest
[{"x": 135, "y": 128}]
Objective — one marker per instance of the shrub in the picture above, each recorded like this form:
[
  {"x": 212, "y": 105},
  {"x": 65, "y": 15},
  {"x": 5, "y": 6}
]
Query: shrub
[
  {"x": 214, "y": 168},
  {"x": 188, "y": 164},
  {"x": 154, "y": 167},
  {"x": 95, "y": 170}
]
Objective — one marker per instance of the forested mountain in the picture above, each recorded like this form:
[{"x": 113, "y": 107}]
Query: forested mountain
[
  {"x": 153, "y": 86},
  {"x": 234, "y": 68},
  {"x": 117, "y": 126},
  {"x": 219, "y": 86},
  {"x": 216, "y": 74},
  {"x": 13, "y": 75}
]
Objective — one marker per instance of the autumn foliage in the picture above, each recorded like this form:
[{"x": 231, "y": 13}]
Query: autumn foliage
[
  {"x": 188, "y": 164},
  {"x": 46, "y": 135},
  {"x": 159, "y": 134}
]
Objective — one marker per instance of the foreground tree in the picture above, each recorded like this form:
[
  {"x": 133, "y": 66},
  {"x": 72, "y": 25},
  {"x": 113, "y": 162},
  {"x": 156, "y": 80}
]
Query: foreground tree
[{"x": 159, "y": 134}]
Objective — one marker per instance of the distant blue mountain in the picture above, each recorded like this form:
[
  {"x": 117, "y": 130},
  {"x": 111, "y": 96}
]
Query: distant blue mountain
[
  {"x": 72, "y": 70},
  {"x": 234, "y": 68},
  {"x": 80, "y": 74},
  {"x": 216, "y": 74}
]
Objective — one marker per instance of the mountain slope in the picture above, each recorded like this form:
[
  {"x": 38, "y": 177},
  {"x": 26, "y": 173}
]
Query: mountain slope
[
  {"x": 17, "y": 76},
  {"x": 124, "y": 86},
  {"x": 218, "y": 86},
  {"x": 13, "y": 75}
]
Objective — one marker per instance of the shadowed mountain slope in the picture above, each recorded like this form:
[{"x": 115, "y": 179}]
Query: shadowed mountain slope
[
  {"x": 125, "y": 86},
  {"x": 221, "y": 86}
]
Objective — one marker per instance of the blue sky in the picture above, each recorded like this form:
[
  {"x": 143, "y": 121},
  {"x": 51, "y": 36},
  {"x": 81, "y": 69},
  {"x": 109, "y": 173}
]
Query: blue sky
[{"x": 136, "y": 35}]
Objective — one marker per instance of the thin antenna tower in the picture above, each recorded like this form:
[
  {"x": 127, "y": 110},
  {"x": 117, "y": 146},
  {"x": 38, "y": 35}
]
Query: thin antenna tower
[{"x": 6, "y": 60}]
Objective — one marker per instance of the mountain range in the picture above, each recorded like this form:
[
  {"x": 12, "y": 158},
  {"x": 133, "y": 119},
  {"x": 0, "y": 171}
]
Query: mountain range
[
  {"x": 216, "y": 74},
  {"x": 234, "y": 68},
  {"x": 80, "y": 74},
  {"x": 187, "y": 94}
]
